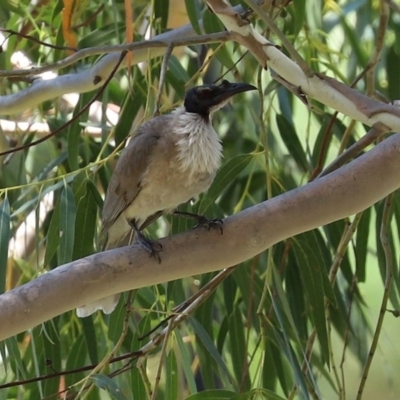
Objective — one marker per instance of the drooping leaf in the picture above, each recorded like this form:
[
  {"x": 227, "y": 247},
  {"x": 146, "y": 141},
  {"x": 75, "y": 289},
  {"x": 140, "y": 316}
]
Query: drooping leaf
[
  {"x": 67, "y": 225},
  {"x": 109, "y": 385},
  {"x": 4, "y": 240}
]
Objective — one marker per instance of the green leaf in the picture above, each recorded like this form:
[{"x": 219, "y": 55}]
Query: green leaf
[
  {"x": 213, "y": 24},
  {"x": 67, "y": 225},
  {"x": 130, "y": 107},
  {"x": 105, "y": 383},
  {"x": 90, "y": 333},
  {"x": 53, "y": 235},
  {"x": 51, "y": 355},
  {"x": 15, "y": 357},
  {"x": 289, "y": 136},
  {"x": 312, "y": 279},
  {"x": 215, "y": 394},
  {"x": 177, "y": 70},
  {"x": 270, "y": 395},
  {"x": 210, "y": 347},
  {"x": 225, "y": 176},
  {"x": 85, "y": 224},
  {"x": 77, "y": 356},
  {"x": 4, "y": 241},
  {"x": 193, "y": 12},
  {"x": 185, "y": 360},
  {"x": 361, "y": 247},
  {"x": 238, "y": 348},
  {"x": 171, "y": 376},
  {"x": 285, "y": 346},
  {"x": 298, "y": 12},
  {"x": 161, "y": 9},
  {"x": 74, "y": 130}
]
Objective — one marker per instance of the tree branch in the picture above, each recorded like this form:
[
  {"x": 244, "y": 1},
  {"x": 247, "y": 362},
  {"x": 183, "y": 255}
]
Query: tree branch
[
  {"x": 325, "y": 89},
  {"x": 89, "y": 79},
  {"x": 344, "y": 192}
]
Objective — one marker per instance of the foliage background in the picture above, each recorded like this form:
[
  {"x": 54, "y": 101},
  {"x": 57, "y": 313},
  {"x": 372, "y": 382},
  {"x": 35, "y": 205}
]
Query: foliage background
[{"x": 250, "y": 336}]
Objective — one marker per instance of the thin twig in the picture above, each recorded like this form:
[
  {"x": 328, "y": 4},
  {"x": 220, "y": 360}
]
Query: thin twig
[
  {"x": 385, "y": 226},
  {"x": 41, "y": 42},
  {"x": 342, "y": 248},
  {"x": 163, "y": 71},
  {"x": 161, "y": 360},
  {"x": 96, "y": 50},
  {"x": 342, "y": 392},
  {"x": 372, "y": 135},
  {"x": 379, "y": 44}
]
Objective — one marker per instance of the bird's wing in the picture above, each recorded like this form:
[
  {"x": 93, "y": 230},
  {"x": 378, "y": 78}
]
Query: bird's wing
[{"x": 125, "y": 183}]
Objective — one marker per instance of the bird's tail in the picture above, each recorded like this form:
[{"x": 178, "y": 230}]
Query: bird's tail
[{"x": 106, "y": 304}]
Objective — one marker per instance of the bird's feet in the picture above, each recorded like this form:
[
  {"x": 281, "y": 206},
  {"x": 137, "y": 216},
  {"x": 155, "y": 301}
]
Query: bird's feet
[
  {"x": 153, "y": 247},
  {"x": 209, "y": 223},
  {"x": 202, "y": 221}
]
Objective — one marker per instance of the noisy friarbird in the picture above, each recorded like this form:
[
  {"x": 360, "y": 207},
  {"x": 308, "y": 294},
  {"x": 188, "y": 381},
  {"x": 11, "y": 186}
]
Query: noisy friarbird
[{"x": 171, "y": 159}]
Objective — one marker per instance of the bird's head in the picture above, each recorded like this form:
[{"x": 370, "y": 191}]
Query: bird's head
[{"x": 206, "y": 99}]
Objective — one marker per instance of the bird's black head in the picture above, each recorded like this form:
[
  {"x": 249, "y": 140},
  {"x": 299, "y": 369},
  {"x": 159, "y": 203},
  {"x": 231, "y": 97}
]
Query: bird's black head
[{"x": 205, "y": 99}]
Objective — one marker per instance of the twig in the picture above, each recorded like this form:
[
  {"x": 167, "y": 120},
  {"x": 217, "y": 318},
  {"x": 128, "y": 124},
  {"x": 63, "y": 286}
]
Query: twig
[
  {"x": 164, "y": 67},
  {"x": 342, "y": 391},
  {"x": 33, "y": 39},
  {"x": 289, "y": 47},
  {"x": 379, "y": 44},
  {"x": 373, "y": 134},
  {"x": 161, "y": 360},
  {"x": 96, "y": 50},
  {"x": 385, "y": 298},
  {"x": 345, "y": 240}
]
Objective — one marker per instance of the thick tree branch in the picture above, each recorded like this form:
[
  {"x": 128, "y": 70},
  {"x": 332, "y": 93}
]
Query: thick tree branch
[
  {"x": 344, "y": 192},
  {"x": 92, "y": 78}
]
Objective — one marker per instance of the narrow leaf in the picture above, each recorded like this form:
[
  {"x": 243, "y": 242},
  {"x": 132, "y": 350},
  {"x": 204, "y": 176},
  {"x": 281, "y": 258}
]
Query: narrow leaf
[
  {"x": 85, "y": 225},
  {"x": 171, "y": 376},
  {"x": 53, "y": 235},
  {"x": 107, "y": 384},
  {"x": 193, "y": 12},
  {"x": 67, "y": 225},
  {"x": 209, "y": 345},
  {"x": 292, "y": 141},
  {"x": 314, "y": 284},
  {"x": 185, "y": 359},
  {"x": 226, "y": 174},
  {"x": 90, "y": 333},
  {"x": 361, "y": 246},
  {"x": 4, "y": 241},
  {"x": 213, "y": 394}
]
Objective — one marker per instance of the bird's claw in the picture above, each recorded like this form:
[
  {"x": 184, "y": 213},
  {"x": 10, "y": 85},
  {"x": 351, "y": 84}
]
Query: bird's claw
[
  {"x": 210, "y": 223},
  {"x": 151, "y": 246}
]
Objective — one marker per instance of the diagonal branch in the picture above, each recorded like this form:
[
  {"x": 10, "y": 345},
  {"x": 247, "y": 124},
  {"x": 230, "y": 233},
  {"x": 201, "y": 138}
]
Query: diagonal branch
[
  {"x": 344, "y": 192},
  {"x": 93, "y": 77},
  {"x": 320, "y": 87}
]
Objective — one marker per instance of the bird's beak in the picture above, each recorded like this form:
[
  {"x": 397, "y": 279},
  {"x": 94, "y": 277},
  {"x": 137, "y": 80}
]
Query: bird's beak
[{"x": 228, "y": 89}]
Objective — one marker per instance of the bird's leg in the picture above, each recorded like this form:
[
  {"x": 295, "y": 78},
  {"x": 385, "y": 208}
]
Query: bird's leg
[
  {"x": 201, "y": 220},
  {"x": 153, "y": 247}
]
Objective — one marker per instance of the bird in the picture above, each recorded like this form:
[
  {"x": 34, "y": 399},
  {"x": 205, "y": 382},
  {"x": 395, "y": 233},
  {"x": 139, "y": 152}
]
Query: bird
[{"x": 170, "y": 160}]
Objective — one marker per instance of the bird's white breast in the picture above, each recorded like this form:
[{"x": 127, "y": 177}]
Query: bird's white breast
[{"x": 199, "y": 147}]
